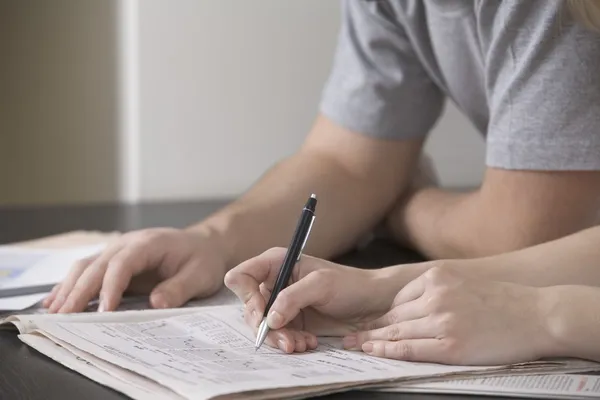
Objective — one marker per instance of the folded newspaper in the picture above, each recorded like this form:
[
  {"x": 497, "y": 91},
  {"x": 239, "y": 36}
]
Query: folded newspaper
[
  {"x": 550, "y": 386},
  {"x": 207, "y": 352}
]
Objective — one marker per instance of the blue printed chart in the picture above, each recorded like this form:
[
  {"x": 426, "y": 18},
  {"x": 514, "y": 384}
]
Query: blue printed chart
[
  {"x": 15, "y": 262},
  {"x": 20, "y": 268}
]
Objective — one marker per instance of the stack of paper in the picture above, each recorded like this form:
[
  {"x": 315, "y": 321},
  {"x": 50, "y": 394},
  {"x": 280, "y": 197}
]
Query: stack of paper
[
  {"x": 208, "y": 353},
  {"x": 554, "y": 386},
  {"x": 205, "y": 350}
]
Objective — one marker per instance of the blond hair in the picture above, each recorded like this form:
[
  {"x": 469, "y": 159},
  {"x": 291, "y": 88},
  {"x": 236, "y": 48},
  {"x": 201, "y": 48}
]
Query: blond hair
[{"x": 587, "y": 12}]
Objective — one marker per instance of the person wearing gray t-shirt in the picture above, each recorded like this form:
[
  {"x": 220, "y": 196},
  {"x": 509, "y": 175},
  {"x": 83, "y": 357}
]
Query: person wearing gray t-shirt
[{"x": 526, "y": 73}]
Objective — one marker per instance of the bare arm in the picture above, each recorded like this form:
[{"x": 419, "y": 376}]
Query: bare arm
[
  {"x": 356, "y": 178},
  {"x": 572, "y": 318},
  {"x": 571, "y": 260},
  {"x": 511, "y": 210}
]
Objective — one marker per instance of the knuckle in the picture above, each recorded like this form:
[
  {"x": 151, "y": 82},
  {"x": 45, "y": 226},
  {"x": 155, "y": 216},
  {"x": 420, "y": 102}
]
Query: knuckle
[
  {"x": 323, "y": 276},
  {"x": 403, "y": 350},
  {"x": 284, "y": 300},
  {"x": 435, "y": 303},
  {"x": 275, "y": 252},
  {"x": 393, "y": 333},
  {"x": 393, "y": 318},
  {"x": 81, "y": 265},
  {"x": 447, "y": 323},
  {"x": 438, "y": 274},
  {"x": 147, "y": 237},
  {"x": 452, "y": 350}
]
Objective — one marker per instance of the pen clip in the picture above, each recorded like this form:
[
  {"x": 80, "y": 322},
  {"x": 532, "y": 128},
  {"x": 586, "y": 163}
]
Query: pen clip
[{"x": 306, "y": 238}]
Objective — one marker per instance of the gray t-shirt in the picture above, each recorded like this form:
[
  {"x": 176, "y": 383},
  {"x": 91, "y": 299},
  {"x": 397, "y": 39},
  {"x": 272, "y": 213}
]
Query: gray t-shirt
[{"x": 523, "y": 71}]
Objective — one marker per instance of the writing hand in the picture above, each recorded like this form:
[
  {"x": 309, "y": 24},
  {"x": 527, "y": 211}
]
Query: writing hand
[{"x": 323, "y": 298}]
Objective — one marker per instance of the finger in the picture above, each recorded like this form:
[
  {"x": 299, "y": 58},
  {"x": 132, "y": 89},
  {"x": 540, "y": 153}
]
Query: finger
[
  {"x": 419, "y": 350},
  {"x": 87, "y": 286},
  {"x": 288, "y": 340},
  {"x": 265, "y": 290},
  {"x": 67, "y": 284},
  {"x": 412, "y": 291},
  {"x": 122, "y": 267},
  {"x": 404, "y": 312},
  {"x": 190, "y": 281},
  {"x": 271, "y": 339},
  {"x": 48, "y": 300},
  {"x": 311, "y": 340},
  {"x": 312, "y": 290},
  {"x": 414, "y": 329},
  {"x": 244, "y": 280}
]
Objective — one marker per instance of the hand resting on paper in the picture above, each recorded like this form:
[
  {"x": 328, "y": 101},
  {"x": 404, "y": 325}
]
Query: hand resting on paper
[
  {"x": 172, "y": 265},
  {"x": 445, "y": 317},
  {"x": 323, "y": 298}
]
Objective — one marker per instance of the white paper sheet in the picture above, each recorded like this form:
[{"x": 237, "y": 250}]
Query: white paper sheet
[
  {"x": 210, "y": 353},
  {"x": 15, "y": 261},
  {"x": 32, "y": 267},
  {"x": 559, "y": 386}
]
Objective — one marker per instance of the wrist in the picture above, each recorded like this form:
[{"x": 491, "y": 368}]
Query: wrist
[
  {"x": 554, "y": 337},
  {"x": 216, "y": 231},
  {"x": 389, "y": 281}
]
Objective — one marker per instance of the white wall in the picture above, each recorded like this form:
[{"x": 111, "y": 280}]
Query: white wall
[
  {"x": 58, "y": 101},
  {"x": 229, "y": 87},
  {"x": 225, "y": 88}
]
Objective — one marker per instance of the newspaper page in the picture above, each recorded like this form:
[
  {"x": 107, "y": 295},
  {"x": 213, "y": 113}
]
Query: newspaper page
[
  {"x": 132, "y": 309},
  {"x": 556, "y": 386},
  {"x": 119, "y": 379},
  {"x": 211, "y": 353}
]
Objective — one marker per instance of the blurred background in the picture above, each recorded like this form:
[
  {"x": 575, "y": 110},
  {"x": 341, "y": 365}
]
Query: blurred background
[{"x": 170, "y": 100}]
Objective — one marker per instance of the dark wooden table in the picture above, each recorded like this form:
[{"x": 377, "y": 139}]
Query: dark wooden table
[{"x": 27, "y": 374}]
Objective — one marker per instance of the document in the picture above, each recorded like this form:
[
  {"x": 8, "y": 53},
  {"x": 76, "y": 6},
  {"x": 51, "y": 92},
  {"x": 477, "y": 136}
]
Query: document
[
  {"x": 559, "y": 386},
  {"x": 207, "y": 352},
  {"x": 27, "y": 267}
]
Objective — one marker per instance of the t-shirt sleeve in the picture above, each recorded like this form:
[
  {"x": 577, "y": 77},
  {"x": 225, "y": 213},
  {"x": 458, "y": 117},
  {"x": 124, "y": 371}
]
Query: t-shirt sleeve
[
  {"x": 543, "y": 83},
  {"x": 377, "y": 85}
]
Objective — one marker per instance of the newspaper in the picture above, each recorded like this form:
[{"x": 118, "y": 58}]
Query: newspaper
[
  {"x": 558, "y": 386},
  {"x": 204, "y": 350},
  {"x": 207, "y": 352}
]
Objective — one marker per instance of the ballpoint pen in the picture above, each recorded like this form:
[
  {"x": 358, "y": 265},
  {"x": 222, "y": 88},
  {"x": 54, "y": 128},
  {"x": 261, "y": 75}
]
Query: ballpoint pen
[{"x": 294, "y": 251}]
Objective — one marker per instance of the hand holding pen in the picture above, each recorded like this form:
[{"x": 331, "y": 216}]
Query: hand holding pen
[{"x": 292, "y": 256}]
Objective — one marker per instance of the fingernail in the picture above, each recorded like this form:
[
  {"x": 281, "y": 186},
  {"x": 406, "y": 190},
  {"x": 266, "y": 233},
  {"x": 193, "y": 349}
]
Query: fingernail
[
  {"x": 367, "y": 347},
  {"x": 275, "y": 320},
  {"x": 349, "y": 342},
  {"x": 281, "y": 344},
  {"x": 160, "y": 301}
]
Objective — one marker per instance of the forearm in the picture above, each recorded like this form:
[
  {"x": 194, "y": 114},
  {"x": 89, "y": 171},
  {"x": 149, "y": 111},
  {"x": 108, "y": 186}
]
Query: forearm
[
  {"x": 571, "y": 316},
  {"x": 571, "y": 260},
  {"x": 266, "y": 215},
  {"x": 436, "y": 223},
  {"x": 443, "y": 224}
]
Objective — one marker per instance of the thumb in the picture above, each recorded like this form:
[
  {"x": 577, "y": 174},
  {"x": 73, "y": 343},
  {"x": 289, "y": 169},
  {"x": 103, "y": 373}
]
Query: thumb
[
  {"x": 190, "y": 281},
  {"x": 315, "y": 289}
]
